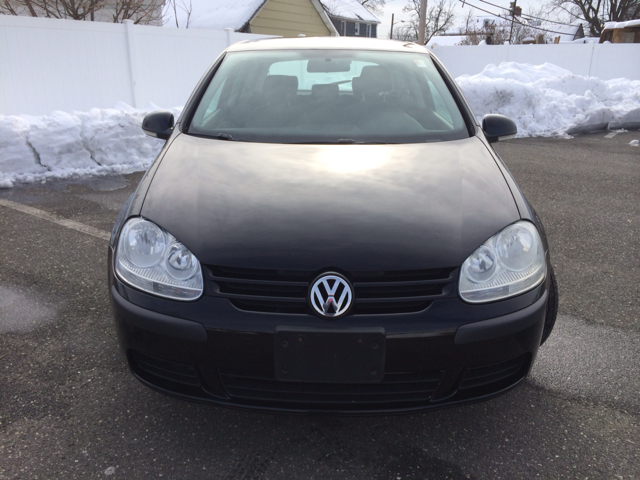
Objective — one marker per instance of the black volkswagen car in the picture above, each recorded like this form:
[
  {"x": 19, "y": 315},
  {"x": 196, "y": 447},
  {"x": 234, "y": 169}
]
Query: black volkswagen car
[{"x": 328, "y": 229}]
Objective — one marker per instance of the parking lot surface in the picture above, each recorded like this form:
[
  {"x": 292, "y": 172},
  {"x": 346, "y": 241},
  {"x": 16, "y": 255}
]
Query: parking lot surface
[{"x": 69, "y": 408}]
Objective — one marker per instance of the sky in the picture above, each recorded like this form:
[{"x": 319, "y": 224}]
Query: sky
[{"x": 395, "y": 7}]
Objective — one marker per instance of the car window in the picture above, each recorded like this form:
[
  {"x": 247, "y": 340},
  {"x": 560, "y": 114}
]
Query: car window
[
  {"x": 328, "y": 96},
  {"x": 440, "y": 107},
  {"x": 211, "y": 102}
]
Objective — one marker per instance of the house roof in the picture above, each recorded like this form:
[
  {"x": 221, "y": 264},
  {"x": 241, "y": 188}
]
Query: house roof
[
  {"x": 235, "y": 14},
  {"x": 630, "y": 23},
  {"x": 348, "y": 10},
  {"x": 218, "y": 14},
  {"x": 567, "y": 33}
]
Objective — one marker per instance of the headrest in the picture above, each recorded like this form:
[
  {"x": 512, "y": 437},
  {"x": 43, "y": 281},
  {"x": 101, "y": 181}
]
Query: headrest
[
  {"x": 280, "y": 85},
  {"x": 372, "y": 80},
  {"x": 328, "y": 91}
]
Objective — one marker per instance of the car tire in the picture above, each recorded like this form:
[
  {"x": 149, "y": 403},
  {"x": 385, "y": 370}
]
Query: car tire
[{"x": 552, "y": 308}]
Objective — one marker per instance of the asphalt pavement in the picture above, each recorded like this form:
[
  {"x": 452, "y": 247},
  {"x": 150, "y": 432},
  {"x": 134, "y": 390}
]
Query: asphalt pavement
[{"x": 69, "y": 408}]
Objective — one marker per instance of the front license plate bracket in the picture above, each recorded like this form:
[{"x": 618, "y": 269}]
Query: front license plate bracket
[{"x": 329, "y": 355}]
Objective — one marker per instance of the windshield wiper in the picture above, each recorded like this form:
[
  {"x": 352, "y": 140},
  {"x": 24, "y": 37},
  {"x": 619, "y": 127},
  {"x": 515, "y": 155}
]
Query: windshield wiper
[
  {"x": 342, "y": 141},
  {"x": 351, "y": 141},
  {"x": 223, "y": 136}
]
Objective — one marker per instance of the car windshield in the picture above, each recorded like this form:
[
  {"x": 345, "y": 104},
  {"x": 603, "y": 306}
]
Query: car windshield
[{"x": 328, "y": 96}]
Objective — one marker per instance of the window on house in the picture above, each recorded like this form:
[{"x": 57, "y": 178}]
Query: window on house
[
  {"x": 627, "y": 37},
  {"x": 357, "y": 29},
  {"x": 368, "y": 30},
  {"x": 343, "y": 28}
]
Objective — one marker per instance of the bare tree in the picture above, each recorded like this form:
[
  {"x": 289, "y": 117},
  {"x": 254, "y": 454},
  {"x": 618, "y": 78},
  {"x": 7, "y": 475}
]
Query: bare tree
[
  {"x": 172, "y": 9},
  {"x": 333, "y": 7},
  {"x": 499, "y": 29},
  {"x": 597, "y": 12},
  {"x": 72, "y": 9},
  {"x": 10, "y": 7},
  {"x": 374, "y": 6},
  {"x": 440, "y": 17},
  {"x": 140, "y": 11}
]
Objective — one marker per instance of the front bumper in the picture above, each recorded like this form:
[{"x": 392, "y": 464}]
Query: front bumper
[{"x": 209, "y": 351}]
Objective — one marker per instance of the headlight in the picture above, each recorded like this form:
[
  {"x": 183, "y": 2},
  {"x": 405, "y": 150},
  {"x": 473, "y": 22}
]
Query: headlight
[
  {"x": 153, "y": 260},
  {"x": 509, "y": 263}
]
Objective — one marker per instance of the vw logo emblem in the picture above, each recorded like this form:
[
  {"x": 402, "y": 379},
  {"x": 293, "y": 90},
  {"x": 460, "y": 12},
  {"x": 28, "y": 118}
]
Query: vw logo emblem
[{"x": 331, "y": 295}]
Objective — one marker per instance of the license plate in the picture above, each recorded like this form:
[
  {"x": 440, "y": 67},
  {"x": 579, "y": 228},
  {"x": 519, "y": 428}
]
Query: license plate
[{"x": 330, "y": 356}]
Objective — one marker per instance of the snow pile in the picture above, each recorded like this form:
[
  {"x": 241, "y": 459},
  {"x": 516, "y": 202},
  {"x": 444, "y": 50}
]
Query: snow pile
[
  {"x": 546, "y": 100},
  {"x": 61, "y": 145}
]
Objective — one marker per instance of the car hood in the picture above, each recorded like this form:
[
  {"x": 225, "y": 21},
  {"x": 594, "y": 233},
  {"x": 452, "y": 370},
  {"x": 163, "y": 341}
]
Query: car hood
[{"x": 314, "y": 207}]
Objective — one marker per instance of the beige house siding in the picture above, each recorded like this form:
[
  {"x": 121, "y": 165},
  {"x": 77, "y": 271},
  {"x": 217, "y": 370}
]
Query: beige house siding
[{"x": 289, "y": 18}]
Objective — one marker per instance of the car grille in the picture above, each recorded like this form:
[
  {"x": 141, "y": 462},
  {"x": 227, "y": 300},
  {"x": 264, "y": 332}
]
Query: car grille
[
  {"x": 394, "y": 388},
  {"x": 285, "y": 291}
]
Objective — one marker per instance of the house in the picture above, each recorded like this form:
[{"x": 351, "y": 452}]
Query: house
[
  {"x": 285, "y": 18},
  {"x": 621, "y": 32},
  {"x": 562, "y": 33},
  {"x": 351, "y": 19}
]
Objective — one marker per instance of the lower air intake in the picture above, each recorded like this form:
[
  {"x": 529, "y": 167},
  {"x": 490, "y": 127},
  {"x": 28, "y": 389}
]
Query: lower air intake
[
  {"x": 396, "y": 388},
  {"x": 495, "y": 373},
  {"x": 165, "y": 370}
]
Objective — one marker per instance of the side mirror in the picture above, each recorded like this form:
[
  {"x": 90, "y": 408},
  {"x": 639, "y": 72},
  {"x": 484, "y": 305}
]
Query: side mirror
[
  {"x": 498, "y": 127},
  {"x": 158, "y": 125}
]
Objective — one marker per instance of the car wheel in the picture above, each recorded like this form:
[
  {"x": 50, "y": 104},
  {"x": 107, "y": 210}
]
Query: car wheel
[{"x": 552, "y": 308}]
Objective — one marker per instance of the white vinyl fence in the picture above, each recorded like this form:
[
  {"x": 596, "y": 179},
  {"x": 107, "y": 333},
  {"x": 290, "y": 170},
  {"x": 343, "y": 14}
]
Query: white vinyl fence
[
  {"x": 48, "y": 64},
  {"x": 605, "y": 61}
]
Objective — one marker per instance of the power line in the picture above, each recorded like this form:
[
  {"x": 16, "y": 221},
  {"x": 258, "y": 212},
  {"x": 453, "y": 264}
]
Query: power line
[
  {"x": 517, "y": 21},
  {"x": 543, "y": 29},
  {"x": 527, "y": 15}
]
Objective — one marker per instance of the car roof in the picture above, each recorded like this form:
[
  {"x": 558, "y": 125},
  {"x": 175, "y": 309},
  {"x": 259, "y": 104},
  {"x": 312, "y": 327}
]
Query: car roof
[{"x": 328, "y": 43}]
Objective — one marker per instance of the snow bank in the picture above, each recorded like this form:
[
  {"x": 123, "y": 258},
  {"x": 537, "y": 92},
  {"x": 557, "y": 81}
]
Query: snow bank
[
  {"x": 543, "y": 100},
  {"x": 61, "y": 145},
  {"x": 546, "y": 100}
]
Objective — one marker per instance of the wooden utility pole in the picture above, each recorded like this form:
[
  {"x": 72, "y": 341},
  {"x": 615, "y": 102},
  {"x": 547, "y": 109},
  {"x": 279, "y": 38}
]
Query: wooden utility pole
[
  {"x": 422, "y": 24},
  {"x": 513, "y": 17},
  {"x": 391, "y": 32}
]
